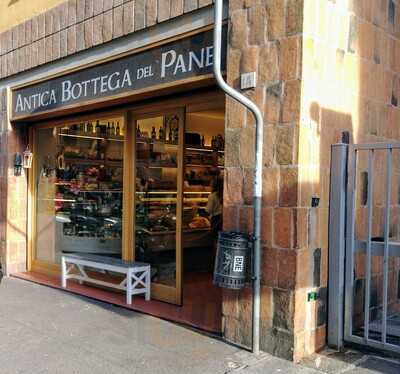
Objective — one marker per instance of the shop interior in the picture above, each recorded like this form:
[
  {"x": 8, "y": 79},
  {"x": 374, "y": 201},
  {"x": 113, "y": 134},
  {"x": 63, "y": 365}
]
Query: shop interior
[{"x": 175, "y": 200}]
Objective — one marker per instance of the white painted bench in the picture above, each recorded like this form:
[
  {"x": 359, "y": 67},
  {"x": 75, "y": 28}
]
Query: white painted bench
[{"x": 137, "y": 274}]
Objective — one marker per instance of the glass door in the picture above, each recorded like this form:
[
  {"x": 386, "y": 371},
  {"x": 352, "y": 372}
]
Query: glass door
[{"x": 158, "y": 171}]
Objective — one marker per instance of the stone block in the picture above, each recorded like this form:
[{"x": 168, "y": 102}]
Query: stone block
[
  {"x": 233, "y": 186},
  {"x": 247, "y": 147},
  {"x": 276, "y": 19},
  {"x": 239, "y": 31},
  {"x": 231, "y": 217},
  {"x": 128, "y": 16},
  {"x": 230, "y": 303},
  {"x": 246, "y": 219},
  {"x": 118, "y": 25},
  {"x": 249, "y": 61},
  {"x": 257, "y": 24},
  {"x": 270, "y": 186},
  {"x": 97, "y": 7},
  {"x": 140, "y": 14},
  {"x": 285, "y": 145},
  {"x": 283, "y": 227},
  {"x": 232, "y": 139},
  {"x": 266, "y": 229},
  {"x": 164, "y": 8},
  {"x": 48, "y": 42},
  {"x": 189, "y": 5},
  {"x": 41, "y": 26},
  {"x": 88, "y": 29},
  {"x": 56, "y": 45},
  {"x": 294, "y": 17},
  {"x": 151, "y": 12},
  {"x": 56, "y": 19},
  {"x": 287, "y": 269},
  {"x": 34, "y": 29},
  {"x": 80, "y": 36},
  {"x": 28, "y": 31},
  {"x": 277, "y": 342},
  {"x": 204, "y": 3},
  {"x": 71, "y": 40},
  {"x": 269, "y": 146},
  {"x": 89, "y": 8},
  {"x": 62, "y": 10},
  {"x": 107, "y": 26},
  {"x": 290, "y": 57},
  {"x": 72, "y": 12},
  {"x": 291, "y": 101},
  {"x": 176, "y": 8},
  {"x": 269, "y": 63},
  {"x": 283, "y": 315},
  {"x": 288, "y": 187},
  {"x": 34, "y": 57},
  {"x": 107, "y": 5},
  {"x": 80, "y": 10},
  {"x": 48, "y": 25},
  {"x": 98, "y": 29}
]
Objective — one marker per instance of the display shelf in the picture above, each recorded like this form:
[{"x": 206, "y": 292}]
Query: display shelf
[
  {"x": 86, "y": 161},
  {"x": 91, "y": 136}
]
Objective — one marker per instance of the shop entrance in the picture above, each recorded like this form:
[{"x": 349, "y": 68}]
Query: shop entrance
[{"x": 142, "y": 183}]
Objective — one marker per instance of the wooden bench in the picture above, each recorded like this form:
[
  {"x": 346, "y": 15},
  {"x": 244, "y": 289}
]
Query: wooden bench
[{"x": 137, "y": 274}]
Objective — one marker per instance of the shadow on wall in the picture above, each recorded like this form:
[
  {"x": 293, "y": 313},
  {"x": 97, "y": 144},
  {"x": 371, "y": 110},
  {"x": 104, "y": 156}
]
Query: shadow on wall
[{"x": 12, "y": 2}]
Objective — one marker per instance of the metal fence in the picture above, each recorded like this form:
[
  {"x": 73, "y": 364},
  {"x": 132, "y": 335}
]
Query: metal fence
[{"x": 364, "y": 246}]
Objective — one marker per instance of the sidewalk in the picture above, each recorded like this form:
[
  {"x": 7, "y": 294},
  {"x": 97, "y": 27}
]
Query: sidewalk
[{"x": 43, "y": 330}]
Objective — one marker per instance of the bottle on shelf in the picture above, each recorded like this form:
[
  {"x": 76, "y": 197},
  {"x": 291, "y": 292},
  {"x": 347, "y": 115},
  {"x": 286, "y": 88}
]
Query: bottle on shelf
[
  {"x": 97, "y": 127},
  {"x": 117, "y": 129},
  {"x": 112, "y": 129},
  {"x": 176, "y": 134},
  {"x": 161, "y": 133},
  {"x": 138, "y": 132},
  {"x": 202, "y": 140},
  {"x": 170, "y": 136},
  {"x": 108, "y": 130},
  {"x": 89, "y": 127},
  {"x": 153, "y": 133}
]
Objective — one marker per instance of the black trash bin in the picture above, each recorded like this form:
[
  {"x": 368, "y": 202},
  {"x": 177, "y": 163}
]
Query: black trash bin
[{"x": 232, "y": 259}]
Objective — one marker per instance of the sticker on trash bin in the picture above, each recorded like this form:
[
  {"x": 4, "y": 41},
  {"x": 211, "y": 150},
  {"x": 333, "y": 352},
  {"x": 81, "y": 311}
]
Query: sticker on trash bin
[{"x": 238, "y": 262}]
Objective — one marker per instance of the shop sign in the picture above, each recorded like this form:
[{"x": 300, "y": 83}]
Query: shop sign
[{"x": 183, "y": 59}]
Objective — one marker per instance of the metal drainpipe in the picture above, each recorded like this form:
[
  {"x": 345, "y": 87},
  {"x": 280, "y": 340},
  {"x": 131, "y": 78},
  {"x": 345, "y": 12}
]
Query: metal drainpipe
[{"x": 258, "y": 170}]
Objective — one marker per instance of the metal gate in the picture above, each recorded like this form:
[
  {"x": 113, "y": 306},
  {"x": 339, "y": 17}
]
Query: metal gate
[{"x": 364, "y": 246}]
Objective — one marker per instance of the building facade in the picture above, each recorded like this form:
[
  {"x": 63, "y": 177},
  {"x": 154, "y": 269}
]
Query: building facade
[{"x": 323, "y": 67}]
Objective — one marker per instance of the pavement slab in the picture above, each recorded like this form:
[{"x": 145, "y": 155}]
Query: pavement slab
[{"x": 46, "y": 330}]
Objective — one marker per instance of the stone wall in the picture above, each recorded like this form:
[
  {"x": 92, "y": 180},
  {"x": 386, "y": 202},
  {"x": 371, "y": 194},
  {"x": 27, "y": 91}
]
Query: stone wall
[
  {"x": 266, "y": 37},
  {"x": 350, "y": 83}
]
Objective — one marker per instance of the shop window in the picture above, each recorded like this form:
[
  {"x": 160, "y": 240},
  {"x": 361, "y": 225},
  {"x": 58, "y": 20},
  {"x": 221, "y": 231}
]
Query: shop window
[{"x": 78, "y": 173}]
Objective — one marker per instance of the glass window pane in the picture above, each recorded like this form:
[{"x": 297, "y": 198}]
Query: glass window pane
[
  {"x": 79, "y": 170},
  {"x": 157, "y": 142}
]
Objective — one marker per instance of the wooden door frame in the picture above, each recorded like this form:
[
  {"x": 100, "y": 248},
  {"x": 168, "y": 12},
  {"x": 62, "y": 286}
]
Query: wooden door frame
[
  {"x": 159, "y": 291},
  {"x": 33, "y": 263},
  {"x": 182, "y": 105}
]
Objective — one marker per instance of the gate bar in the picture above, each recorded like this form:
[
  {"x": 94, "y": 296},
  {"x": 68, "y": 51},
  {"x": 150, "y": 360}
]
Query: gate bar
[
  {"x": 371, "y": 158},
  {"x": 350, "y": 225},
  {"x": 386, "y": 238},
  {"x": 337, "y": 220}
]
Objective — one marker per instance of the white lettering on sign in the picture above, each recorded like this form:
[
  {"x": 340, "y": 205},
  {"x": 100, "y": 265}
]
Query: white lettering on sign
[
  {"x": 183, "y": 63},
  {"x": 186, "y": 58},
  {"x": 238, "y": 263}
]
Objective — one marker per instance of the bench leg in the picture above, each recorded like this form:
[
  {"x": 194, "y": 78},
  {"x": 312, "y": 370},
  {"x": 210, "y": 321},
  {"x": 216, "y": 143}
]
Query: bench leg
[
  {"x": 129, "y": 288},
  {"x": 63, "y": 273},
  {"x": 148, "y": 284}
]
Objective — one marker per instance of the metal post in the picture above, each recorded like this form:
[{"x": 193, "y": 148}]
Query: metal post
[
  {"x": 337, "y": 222},
  {"x": 258, "y": 170}
]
